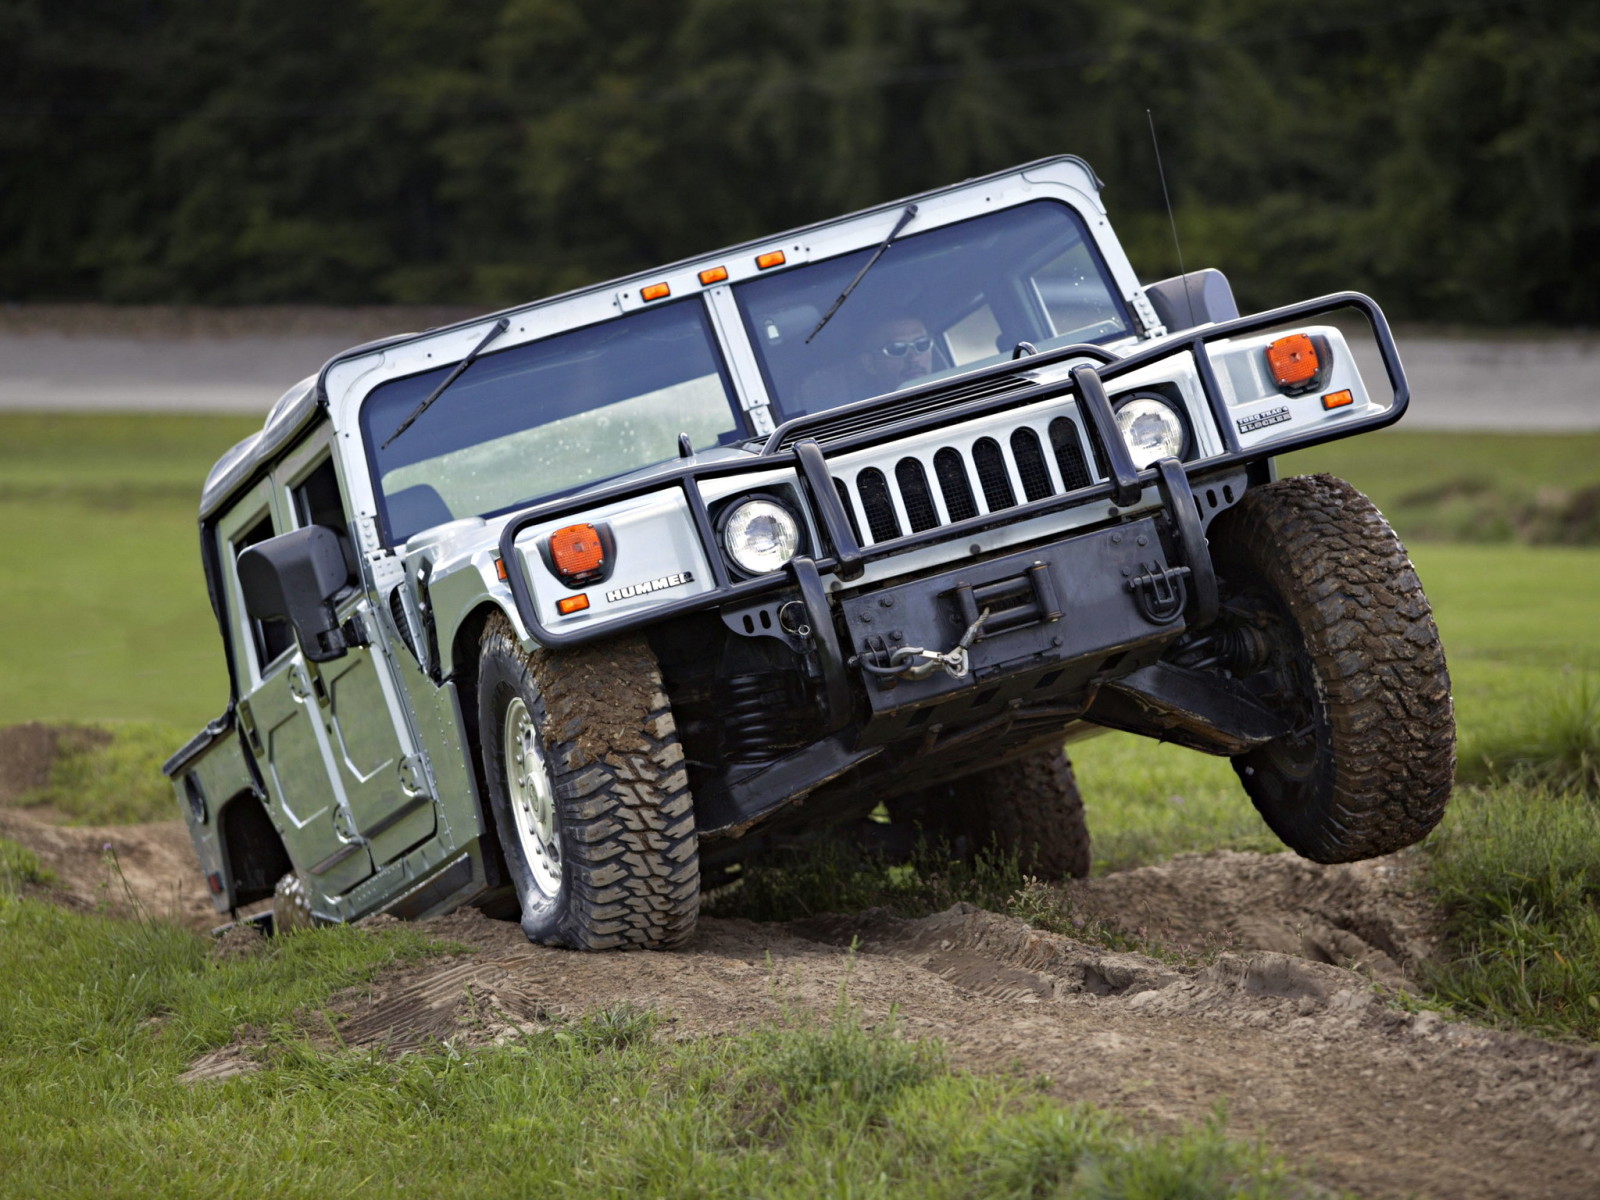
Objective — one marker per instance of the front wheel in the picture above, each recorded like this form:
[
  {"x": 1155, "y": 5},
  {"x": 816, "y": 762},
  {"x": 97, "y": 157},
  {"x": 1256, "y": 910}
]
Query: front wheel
[
  {"x": 1347, "y": 652},
  {"x": 588, "y": 792}
]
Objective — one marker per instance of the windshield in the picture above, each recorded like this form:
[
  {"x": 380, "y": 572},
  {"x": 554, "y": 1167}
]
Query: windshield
[
  {"x": 548, "y": 417},
  {"x": 951, "y": 299}
]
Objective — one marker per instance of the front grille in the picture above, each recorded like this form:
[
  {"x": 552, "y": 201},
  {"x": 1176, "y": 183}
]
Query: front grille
[
  {"x": 992, "y": 475},
  {"x": 913, "y": 480},
  {"x": 951, "y": 469},
  {"x": 925, "y": 492},
  {"x": 1068, "y": 446},
  {"x": 875, "y": 502}
]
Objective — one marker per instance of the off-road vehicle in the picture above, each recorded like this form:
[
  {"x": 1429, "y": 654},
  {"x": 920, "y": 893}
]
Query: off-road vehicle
[{"x": 570, "y": 610}]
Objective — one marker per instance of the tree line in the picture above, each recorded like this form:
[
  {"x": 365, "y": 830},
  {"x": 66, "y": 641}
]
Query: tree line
[{"x": 1443, "y": 155}]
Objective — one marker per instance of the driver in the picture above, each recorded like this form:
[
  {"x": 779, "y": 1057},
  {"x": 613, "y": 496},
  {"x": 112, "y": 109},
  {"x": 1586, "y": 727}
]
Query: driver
[{"x": 898, "y": 352}]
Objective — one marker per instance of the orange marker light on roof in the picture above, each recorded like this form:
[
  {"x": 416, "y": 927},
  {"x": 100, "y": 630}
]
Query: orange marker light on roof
[
  {"x": 772, "y": 258},
  {"x": 713, "y": 275},
  {"x": 656, "y": 291},
  {"x": 571, "y": 604},
  {"x": 1338, "y": 399},
  {"x": 1294, "y": 363},
  {"x": 578, "y": 554}
]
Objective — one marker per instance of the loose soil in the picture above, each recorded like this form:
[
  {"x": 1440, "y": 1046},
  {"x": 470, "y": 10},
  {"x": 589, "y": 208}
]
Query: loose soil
[{"x": 1307, "y": 1053}]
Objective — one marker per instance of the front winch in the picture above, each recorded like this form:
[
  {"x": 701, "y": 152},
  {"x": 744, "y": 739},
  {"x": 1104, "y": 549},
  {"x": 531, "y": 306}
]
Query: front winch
[{"x": 913, "y": 662}]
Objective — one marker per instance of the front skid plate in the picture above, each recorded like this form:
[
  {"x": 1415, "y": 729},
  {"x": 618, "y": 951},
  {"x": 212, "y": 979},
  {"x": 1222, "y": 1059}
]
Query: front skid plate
[{"x": 1072, "y": 602}]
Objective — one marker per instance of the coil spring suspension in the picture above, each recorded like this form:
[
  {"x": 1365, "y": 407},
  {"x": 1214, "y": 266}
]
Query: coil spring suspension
[{"x": 756, "y": 719}]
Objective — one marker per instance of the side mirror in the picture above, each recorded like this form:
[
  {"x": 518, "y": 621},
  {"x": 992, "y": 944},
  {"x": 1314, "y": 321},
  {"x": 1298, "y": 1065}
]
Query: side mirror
[
  {"x": 296, "y": 576},
  {"x": 1198, "y": 298}
]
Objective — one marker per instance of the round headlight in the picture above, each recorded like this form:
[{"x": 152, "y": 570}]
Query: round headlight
[
  {"x": 760, "y": 536},
  {"x": 1151, "y": 428}
]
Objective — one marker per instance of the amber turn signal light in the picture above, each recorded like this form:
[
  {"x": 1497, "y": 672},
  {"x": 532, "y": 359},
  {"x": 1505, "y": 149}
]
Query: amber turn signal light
[
  {"x": 713, "y": 275},
  {"x": 772, "y": 258},
  {"x": 577, "y": 553},
  {"x": 1338, "y": 399},
  {"x": 1294, "y": 363},
  {"x": 571, "y": 604},
  {"x": 656, "y": 291}
]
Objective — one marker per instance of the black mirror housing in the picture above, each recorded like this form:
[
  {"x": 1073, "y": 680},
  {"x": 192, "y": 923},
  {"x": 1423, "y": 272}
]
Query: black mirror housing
[
  {"x": 296, "y": 576},
  {"x": 1198, "y": 298}
]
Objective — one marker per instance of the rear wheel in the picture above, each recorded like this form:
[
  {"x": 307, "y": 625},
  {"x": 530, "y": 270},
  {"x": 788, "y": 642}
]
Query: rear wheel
[
  {"x": 1347, "y": 652},
  {"x": 588, "y": 791},
  {"x": 291, "y": 906},
  {"x": 1029, "y": 807}
]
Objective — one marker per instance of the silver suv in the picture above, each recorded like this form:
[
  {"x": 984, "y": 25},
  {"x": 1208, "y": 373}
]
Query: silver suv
[{"x": 569, "y": 611}]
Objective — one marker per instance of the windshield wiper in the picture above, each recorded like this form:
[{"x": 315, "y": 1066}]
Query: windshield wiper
[
  {"x": 905, "y": 219},
  {"x": 500, "y": 327}
]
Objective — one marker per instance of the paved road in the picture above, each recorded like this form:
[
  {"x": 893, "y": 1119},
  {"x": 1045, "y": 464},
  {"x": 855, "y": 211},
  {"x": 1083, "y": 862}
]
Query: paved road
[{"x": 1544, "y": 384}]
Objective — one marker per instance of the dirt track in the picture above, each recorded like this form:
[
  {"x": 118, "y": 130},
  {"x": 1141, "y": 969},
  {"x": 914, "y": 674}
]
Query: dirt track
[{"x": 1305, "y": 1053}]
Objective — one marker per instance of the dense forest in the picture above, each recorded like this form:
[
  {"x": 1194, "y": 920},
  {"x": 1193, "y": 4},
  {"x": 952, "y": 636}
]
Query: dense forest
[{"x": 1443, "y": 155}]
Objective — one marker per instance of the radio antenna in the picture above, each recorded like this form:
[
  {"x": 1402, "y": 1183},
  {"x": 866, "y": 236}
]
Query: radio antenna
[{"x": 1171, "y": 220}]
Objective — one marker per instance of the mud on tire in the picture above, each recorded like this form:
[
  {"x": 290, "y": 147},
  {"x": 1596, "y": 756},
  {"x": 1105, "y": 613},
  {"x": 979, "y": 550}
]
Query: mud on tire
[
  {"x": 291, "y": 906},
  {"x": 621, "y": 867},
  {"x": 1352, "y": 659},
  {"x": 1029, "y": 807}
]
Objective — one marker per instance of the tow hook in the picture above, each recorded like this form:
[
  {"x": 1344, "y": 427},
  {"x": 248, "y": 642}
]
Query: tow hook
[{"x": 913, "y": 662}]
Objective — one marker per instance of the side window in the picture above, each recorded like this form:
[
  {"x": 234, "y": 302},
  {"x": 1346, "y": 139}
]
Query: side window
[
  {"x": 1072, "y": 290},
  {"x": 272, "y": 638},
  {"x": 975, "y": 336},
  {"x": 316, "y": 501}
]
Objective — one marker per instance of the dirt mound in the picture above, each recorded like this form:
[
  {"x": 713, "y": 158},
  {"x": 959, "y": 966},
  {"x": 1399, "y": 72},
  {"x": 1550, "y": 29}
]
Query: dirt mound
[
  {"x": 120, "y": 869},
  {"x": 1368, "y": 916}
]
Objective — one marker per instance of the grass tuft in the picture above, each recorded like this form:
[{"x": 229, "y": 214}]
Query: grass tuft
[
  {"x": 1516, "y": 870},
  {"x": 1555, "y": 744},
  {"x": 20, "y": 867}
]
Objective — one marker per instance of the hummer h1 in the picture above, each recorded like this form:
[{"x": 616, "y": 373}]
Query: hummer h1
[{"x": 568, "y": 611}]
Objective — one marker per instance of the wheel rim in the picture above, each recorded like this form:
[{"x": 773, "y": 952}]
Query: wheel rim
[{"x": 533, "y": 802}]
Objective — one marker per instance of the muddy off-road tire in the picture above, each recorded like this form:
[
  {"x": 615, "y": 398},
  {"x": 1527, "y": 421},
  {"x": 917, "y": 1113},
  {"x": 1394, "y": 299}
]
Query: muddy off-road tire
[
  {"x": 588, "y": 792},
  {"x": 1029, "y": 807},
  {"x": 1352, "y": 660},
  {"x": 291, "y": 906}
]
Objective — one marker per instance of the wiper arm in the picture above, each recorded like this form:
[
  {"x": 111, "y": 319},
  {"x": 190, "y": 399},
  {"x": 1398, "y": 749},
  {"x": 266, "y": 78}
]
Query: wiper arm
[
  {"x": 905, "y": 219},
  {"x": 500, "y": 327}
]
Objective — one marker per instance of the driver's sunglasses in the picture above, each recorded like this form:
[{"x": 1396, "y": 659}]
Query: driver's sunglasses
[{"x": 919, "y": 345}]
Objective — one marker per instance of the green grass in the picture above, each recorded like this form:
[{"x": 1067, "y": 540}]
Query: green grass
[
  {"x": 19, "y": 867},
  {"x": 110, "y": 775},
  {"x": 1517, "y": 868},
  {"x": 1472, "y": 487},
  {"x": 103, "y": 602},
  {"x": 102, "y": 1016}
]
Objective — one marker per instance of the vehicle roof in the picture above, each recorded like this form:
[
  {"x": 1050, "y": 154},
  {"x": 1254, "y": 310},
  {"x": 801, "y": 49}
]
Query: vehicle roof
[{"x": 303, "y": 403}]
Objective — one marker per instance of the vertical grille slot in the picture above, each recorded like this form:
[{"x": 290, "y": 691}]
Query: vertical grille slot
[
  {"x": 951, "y": 471},
  {"x": 873, "y": 489},
  {"x": 992, "y": 477},
  {"x": 914, "y": 494},
  {"x": 849, "y": 509},
  {"x": 1029, "y": 457},
  {"x": 1069, "y": 454}
]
